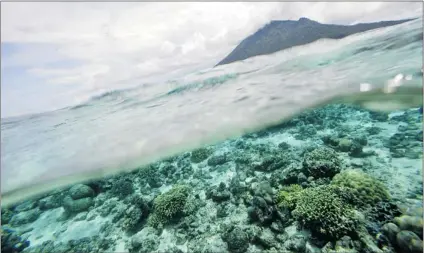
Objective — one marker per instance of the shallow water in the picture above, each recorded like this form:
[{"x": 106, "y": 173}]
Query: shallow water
[{"x": 124, "y": 130}]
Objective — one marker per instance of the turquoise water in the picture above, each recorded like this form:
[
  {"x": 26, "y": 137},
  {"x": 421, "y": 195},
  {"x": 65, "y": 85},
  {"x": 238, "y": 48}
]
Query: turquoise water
[{"x": 314, "y": 148}]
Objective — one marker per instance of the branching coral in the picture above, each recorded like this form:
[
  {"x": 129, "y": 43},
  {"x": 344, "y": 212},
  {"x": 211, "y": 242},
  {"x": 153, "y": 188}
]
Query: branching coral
[
  {"x": 323, "y": 211},
  {"x": 287, "y": 197},
  {"x": 321, "y": 162},
  {"x": 168, "y": 205},
  {"x": 122, "y": 188}
]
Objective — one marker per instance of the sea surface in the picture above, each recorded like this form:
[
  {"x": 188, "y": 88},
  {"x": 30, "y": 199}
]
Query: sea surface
[
  {"x": 123, "y": 129},
  {"x": 375, "y": 72}
]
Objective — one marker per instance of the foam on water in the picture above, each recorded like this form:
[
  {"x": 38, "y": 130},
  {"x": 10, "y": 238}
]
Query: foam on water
[{"x": 125, "y": 129}]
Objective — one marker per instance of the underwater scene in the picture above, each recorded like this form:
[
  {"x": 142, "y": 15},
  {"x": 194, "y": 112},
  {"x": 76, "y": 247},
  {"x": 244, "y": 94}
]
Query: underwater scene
[{"x": 317, "y": 148}]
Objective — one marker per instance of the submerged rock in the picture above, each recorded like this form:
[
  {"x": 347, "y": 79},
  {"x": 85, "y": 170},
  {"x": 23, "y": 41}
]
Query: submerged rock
[
  {"x": 25, "y": 206},
  {"x": 390, "y": 230},
  {"x": 217, "y": 160},
  {"x": 353, "y": 146},
  {"x": 218, "y": 193},
  {"x": 80, "y": 191},
  {"x": 367, "y": 241},
  {"x": 409, "y": 242},
  {"x": 79, "y": 199},
  {"x": 169, "y": 169},
  {"x": 411, "y": 223},
  {"x": 206, "y": 245},
  {"x": 284, "y": 145},
  {"x": 25, "y": 217},
  {"x": 267, "y": 239},
  {"x": 145, "y": 241},
  {"x": 379, "y": 116},
  {"x": 406, "y": 144},
  {"x": 50, "y": 202},
  {"x": 263, "y": 213},
  {"x": 75, "y": 206},
  {"x": 331, "y": 247},
  {"x": 289, "y": 175},
  {"x": 237, "y": 240},
  {"x": 305, "y": 131},
  {"x": 80, "y": 216},
  {"x": 373, "y": 130},
  {"x": 273, "y": 162},
  {"x": 296, "y": 243},
  {"x": 85, "y": 244}
]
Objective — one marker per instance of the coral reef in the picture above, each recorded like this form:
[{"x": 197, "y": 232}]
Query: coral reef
[
  {"x": 11, "y": 242},
  {"x": 237, "y": 240},
  {"x": 409, "y": 242},
  {"x": 288, "y": 196},
  {"x": 322, "y": 211},
  {"x": 122, "y": 188},
  {"x": 321, "y": 162},
  {"x": 331, "y": 180},
  {"x": 368, "y": 190},
  {"x": 168, "y": 205},
  {"x": 200, "y": 155},
  {"x": 411, "y": 223}
]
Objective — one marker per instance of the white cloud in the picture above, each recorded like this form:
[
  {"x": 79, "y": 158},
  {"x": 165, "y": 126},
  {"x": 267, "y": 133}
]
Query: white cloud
[
  {"x": 119, "y": 44},
  {"x": 361, "y": 12}
]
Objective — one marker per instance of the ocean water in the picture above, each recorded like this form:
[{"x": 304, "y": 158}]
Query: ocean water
[{"x": 207, "y": 160}]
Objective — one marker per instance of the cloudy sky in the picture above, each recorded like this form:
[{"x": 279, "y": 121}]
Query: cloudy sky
[{"x": 59, "y": 54}]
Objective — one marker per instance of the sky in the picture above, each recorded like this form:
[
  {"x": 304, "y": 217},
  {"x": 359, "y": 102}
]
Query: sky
[{"x": 57, "y": 54}]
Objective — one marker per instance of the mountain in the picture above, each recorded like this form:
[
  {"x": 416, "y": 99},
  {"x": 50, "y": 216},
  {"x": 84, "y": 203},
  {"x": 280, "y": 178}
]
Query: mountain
[{"x": 279, "y": 35}]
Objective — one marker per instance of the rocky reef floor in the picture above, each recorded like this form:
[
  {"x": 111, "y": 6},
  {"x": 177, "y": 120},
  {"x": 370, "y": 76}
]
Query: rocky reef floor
[{"x": 334, "y": 179}]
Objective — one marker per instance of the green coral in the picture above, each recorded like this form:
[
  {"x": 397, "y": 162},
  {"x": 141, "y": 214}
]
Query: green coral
[
  {"x": 322, "y": 162},
  {"x": 154, "y": 220},
  {"x": 200, "y": 155},
  {"x": 287, "y": 196},
  {"x": 365, "y": 189},
  {"x": 168, "y": 205},
  {"x": 322, "y": 211},
  {"x": 148, "y": 171}
]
